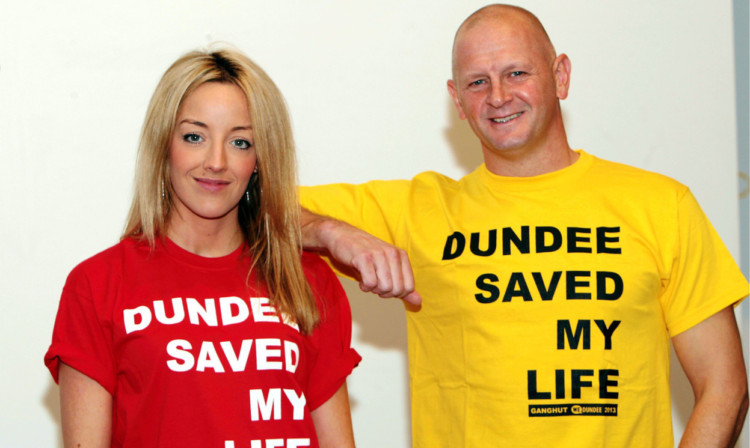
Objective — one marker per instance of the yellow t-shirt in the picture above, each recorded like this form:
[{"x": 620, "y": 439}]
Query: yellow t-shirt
[{"x": 548, "y": 301}]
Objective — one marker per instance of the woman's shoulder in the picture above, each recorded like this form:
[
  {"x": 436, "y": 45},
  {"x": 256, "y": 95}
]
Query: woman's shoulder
[
  {"x": 315, "y": 267},
  {"x": 110, "y": 260},
  {"x": 322, "y": 279}
]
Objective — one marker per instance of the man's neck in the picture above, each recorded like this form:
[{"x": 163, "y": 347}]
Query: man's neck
[{"x": 525, "y": 162}]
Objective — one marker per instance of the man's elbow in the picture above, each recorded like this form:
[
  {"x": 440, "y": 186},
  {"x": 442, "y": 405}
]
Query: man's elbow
[
  {"x": 742, "y": 412},
  {"x": 737, "y": 401}
]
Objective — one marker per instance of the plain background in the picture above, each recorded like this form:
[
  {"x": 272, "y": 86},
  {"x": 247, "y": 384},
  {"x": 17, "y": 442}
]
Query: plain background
[{"x": 652, "y": 86}]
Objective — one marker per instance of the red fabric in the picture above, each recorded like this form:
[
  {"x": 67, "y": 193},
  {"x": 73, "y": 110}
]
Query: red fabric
[{"x": 160, "y": 399}]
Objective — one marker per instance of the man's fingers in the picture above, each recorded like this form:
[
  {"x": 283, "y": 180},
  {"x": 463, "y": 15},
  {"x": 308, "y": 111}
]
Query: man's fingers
[
  {"x": 375, "y": 273},
  {"x": 406, "y": 273},
  {"x": 383, "y": 269},
  {"x": 387, "y": 273},
  {"x": 396, "y": 276},
  {"x": 368, "y": 276},
  {"x": 413, "y": 298},
  {"x": 409, "y": 294}
]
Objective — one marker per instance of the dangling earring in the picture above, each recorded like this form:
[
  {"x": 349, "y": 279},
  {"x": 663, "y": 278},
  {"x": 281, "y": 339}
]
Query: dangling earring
[
  {"x": 163, "y": 193},
  {"x": 248, "y": 212},
  {"x": 252, "y": 193}
]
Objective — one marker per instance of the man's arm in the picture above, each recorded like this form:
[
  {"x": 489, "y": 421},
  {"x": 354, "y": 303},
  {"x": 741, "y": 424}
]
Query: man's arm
[
  {"x": 711, "y": 355},
  {"x": 380, "y": 267}
]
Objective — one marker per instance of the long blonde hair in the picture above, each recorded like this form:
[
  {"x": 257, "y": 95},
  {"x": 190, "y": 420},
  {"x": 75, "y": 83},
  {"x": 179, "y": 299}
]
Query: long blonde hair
[{"x": 272, "y": 228}]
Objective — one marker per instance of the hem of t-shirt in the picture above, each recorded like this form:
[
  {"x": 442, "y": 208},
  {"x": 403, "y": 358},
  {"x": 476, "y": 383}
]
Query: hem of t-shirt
[
  {"x": 53, "y": 365},
  {"x": 345, "y": 365},
  {"x": 733, "y": 299}
]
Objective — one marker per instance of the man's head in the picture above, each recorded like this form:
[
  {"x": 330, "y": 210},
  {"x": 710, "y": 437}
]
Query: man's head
[{"x": 507, "y": 82}]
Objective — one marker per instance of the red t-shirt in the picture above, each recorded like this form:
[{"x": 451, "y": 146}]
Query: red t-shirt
[{"x": 192, "y": 355}]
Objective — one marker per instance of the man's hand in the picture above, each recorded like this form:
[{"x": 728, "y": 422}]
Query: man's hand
[{"x": 380, "y": 267}]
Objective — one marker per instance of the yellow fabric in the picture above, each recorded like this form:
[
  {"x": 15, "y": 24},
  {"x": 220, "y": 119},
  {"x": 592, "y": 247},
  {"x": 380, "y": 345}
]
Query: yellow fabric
[{"x": 510, "y": 338}]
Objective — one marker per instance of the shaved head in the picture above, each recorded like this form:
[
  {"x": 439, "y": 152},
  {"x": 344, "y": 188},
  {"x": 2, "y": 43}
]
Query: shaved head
[
  {"x": 504, "y": 16},
  {"x": 507, "y": 83}
]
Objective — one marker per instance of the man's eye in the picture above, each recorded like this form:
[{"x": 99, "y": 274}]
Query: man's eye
[
  {"x": 477, "y": 82},
  {"x": 241, "y": 143},
  {"x": 517, "y": 73},
  {"x": 192, "y": 138}
]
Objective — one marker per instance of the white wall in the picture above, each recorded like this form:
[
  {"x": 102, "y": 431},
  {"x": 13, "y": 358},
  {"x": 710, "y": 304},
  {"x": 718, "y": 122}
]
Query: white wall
[{"x": 652, "y": 86}]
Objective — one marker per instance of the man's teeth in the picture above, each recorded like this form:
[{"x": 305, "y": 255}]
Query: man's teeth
[{"x": 506, "y": 119}]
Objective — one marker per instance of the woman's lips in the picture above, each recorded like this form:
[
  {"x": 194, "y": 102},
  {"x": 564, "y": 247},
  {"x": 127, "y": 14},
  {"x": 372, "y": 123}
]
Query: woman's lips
[{"x": 211, "y": 184}]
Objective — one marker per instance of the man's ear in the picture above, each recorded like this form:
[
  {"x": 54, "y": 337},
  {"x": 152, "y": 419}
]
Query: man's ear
[
  {"x": 561, "y": 68},
  {"x": 456, "y": 102}
]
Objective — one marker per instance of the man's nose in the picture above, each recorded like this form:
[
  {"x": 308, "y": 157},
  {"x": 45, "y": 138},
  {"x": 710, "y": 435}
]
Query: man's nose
[{"x": 499, "y": 94}]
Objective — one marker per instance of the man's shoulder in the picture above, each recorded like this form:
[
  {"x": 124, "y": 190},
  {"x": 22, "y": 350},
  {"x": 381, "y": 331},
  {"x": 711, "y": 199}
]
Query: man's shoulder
[
  {"x": 632, "y": 177},
  {"x": 435, "y": 180},
  {"x": 380, "y": 188}
]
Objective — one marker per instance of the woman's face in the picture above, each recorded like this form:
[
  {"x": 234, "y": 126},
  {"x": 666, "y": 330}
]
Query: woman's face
[{"x": 211, "y": 154}]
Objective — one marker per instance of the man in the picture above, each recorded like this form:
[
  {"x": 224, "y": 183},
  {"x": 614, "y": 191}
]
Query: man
[{"x": 552, "y": 281}]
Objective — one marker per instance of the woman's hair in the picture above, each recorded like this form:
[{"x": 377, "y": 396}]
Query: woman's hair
[{"x": 270, "y": 221}]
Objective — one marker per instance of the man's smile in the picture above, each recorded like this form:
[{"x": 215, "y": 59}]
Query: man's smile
[{"x": 506, "y": 119}]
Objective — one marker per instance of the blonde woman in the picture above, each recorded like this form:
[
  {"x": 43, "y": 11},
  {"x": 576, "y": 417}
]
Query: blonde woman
[{"x": 207, "y": 326}]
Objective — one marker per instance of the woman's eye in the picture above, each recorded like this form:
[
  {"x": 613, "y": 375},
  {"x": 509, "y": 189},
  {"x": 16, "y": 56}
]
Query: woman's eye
[
  {"x": 192, "y": 138},
  {"x": 241, "y": 143}
]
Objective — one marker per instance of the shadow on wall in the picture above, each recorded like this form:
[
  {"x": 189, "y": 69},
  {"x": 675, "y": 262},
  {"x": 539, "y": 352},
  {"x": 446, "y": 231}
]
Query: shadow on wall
[
  {"x": 381, "y": 322},
  {"x": 381, "y": 325},
  {"x": 51, "y": 402},
  {"x": 466, "y": 148}
]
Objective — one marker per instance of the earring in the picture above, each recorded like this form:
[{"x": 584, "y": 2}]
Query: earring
[{"x": 163, "y": 193}]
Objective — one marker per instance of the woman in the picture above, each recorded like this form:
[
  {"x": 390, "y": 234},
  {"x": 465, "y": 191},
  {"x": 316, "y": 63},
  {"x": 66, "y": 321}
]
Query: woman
[{"x": 205, "y": 326}]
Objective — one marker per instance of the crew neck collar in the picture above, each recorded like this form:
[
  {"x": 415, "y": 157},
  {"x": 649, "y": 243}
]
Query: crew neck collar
[
  {"x": 185, "y": 256},
  {"x": 540, "y": 182}
]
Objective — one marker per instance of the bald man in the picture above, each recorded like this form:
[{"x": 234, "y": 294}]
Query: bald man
[{"x": 551, "y": 282}]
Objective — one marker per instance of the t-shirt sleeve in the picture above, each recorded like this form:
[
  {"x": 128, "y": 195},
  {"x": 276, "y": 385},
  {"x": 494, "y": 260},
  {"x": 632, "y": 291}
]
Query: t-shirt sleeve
[
  {"x": 336, "y": 358},
  {"x": 375, "y": 207},
  {"x": 80, "y": 339},
  {"x": 704, "y": 277}
]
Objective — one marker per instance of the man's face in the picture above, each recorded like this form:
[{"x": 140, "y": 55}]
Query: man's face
[{"x": 505, "y": 84}]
